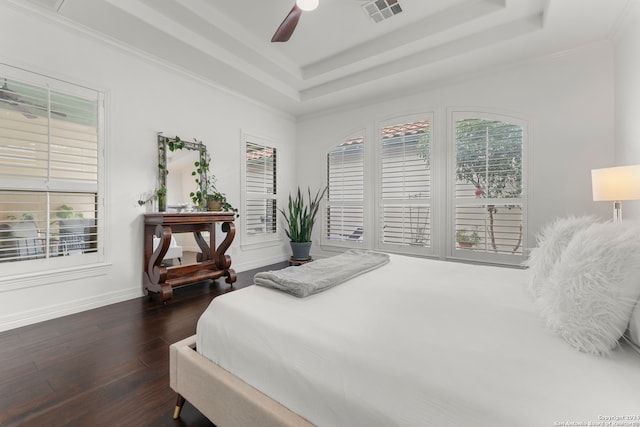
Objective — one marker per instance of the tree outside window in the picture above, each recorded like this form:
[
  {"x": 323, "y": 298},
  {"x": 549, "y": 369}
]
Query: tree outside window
[{"x": 489, "y": 178}]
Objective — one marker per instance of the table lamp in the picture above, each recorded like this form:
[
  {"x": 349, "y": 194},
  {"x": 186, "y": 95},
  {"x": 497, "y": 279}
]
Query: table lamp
[{"x": 616, "y": 184}]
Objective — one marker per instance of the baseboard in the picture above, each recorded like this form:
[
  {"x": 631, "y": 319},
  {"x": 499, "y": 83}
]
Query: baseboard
[
  {"x": 69, "y": 307},
  {"x": 250, "y": 265}
]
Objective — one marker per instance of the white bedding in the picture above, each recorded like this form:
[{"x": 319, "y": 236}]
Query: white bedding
[{"x": 417, "y": 343}]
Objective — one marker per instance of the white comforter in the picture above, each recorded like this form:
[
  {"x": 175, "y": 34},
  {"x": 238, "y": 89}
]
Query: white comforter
[{"x": 417, "y": 343}]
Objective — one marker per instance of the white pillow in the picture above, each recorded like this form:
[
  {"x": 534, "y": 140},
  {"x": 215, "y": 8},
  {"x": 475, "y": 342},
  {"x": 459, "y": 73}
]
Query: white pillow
[
  {"x": 634, "y": 325},
  {"x": 552, "y": 240},
  {"x": 594, "y": 287}
]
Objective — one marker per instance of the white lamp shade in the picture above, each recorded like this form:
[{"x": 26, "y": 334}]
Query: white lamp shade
[
  {"x": 307, "y": 4},
  {"x": 617, "y": 183}
]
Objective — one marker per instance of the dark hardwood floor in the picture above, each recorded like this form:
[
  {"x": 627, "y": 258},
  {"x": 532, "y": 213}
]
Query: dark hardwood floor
[{"x": 104, "y": 367}]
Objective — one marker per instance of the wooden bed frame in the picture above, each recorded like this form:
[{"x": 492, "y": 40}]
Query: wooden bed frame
[{"x": 221, "y": 396}]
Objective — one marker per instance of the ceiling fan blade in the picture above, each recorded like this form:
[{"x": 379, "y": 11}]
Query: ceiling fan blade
[{"x": 284, "y": 31}]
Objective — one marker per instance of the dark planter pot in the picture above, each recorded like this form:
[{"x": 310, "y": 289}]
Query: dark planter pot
[{"x": 300, "y": 250}]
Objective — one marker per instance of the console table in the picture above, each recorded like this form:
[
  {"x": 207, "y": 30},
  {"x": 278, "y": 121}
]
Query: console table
[{"x": 211, "y": 263}]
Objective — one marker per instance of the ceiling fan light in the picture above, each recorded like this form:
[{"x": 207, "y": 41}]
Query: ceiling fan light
[{"x": 307, "y": 5}]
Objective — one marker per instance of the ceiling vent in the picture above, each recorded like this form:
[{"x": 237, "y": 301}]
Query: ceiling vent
[{"x": 379, "y": 10}]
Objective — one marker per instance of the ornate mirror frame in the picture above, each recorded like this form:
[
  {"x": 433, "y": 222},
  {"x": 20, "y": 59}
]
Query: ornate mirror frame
[{"x": 173, "y": 144}]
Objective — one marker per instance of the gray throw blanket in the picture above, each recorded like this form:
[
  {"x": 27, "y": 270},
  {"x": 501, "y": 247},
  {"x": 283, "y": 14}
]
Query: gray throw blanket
[{"x": 320, "y": 275}]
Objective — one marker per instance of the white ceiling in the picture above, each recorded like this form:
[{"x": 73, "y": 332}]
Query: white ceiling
[{"x": 337, "y": 55}]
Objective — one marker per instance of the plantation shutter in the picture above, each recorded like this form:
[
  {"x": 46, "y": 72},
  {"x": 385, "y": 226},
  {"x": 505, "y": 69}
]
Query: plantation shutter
[
  {"x": 48, "y": 170},
  {"x": 345, "y": 194},
  {"x": 405, "y": 185},
  {"x": 489, "y": 196},
  {"x": 260, "y": 216}
]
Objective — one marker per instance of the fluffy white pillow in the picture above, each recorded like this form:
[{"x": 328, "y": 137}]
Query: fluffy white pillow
[
  {"x": 552, "y": 240},
  {"x": 594, "y": 287},
  {"x": 634, "y": 325}
]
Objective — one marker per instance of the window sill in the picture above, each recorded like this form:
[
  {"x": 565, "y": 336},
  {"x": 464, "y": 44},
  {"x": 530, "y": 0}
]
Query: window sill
[{"x": 29, "y": 280}]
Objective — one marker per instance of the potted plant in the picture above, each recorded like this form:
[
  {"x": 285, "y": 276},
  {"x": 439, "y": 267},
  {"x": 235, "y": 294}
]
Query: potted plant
[
  {"x": 300, "y": 217},
  {"x": 217, "y": 201},
  {"x": 214, "y": 201},
  {"x": 467, "y": 239}
]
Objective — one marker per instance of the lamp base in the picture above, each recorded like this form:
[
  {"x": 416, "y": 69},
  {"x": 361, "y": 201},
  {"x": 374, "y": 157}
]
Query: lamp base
[{"x": 617, "y": 211}]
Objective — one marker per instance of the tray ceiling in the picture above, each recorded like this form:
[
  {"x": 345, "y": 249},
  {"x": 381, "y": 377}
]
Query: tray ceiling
[{"x": 337, "y": 54}]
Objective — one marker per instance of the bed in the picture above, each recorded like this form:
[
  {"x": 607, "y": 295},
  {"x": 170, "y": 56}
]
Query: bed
[{"x": 413, "y": 343}]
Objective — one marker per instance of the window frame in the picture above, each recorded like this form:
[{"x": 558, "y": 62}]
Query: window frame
[
  {"x": 44, "y": 271},
  {"x": 442, "y": 200},
  {"x": 248, "y": 241}
]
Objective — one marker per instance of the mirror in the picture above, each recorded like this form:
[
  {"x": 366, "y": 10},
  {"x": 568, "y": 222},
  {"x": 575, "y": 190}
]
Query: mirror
[{"x": 176, "y": 164}]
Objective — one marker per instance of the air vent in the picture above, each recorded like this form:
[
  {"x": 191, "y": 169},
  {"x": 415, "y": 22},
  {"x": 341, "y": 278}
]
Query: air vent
[{"x": 379, "y": 10}]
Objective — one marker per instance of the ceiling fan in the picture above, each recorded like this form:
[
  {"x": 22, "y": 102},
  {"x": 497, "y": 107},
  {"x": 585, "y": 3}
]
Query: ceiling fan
[
  {"x": 285, "y": 30},
  {"x": 15, "y": 100}
]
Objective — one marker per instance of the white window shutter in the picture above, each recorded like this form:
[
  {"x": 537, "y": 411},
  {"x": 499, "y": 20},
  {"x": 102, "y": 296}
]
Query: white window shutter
[
  {"x": 48, "y": 170},
  {"x": 260, "y": 216},
  {"x": 405, "y": 186},
  {"x": 345, "y": 194}
]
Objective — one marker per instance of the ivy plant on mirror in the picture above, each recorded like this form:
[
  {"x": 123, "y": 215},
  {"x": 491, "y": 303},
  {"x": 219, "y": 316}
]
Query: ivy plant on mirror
[{"x": 180, "y": 163}]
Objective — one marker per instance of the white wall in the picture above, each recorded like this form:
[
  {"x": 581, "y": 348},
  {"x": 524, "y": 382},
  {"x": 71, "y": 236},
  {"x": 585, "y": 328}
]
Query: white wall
[
  {"x": 627, "y": 94},
  {"x": 567, "y": 99},
  {"x": 145, "y": 98}
]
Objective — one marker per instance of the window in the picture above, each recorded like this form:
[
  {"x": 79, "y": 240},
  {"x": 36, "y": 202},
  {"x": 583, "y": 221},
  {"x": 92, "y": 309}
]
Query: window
[
  {"x": 345, "y": 194},
  {"x": 472, "y": 207},
  {"x": 488, "y": 192},
  {"x": 50, "y": 133},
  {"x": 260, "y": 211},
  {"x": 405, "y": 186}
]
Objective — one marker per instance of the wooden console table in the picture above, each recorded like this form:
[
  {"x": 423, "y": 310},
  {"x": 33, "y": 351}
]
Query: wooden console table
[{"x": 212, "y": 263}]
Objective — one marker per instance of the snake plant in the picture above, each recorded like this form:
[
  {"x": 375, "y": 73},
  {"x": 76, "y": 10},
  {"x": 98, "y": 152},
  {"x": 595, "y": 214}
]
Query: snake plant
[{"x": 301, "y": 216}]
